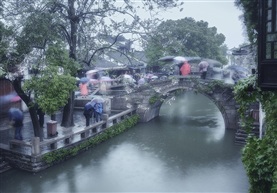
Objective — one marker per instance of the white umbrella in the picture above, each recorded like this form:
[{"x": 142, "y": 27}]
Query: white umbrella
[
  {"x": 98, "y": 99},
  {"x": 180, "y": 59},
  {"x": 92, "y": 71}
]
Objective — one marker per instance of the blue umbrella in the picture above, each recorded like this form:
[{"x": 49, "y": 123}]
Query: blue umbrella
[
  {"x": 15, "y": 114},
  {"x": 7, "y": 98},
  {"x": 84, "y": 80}
]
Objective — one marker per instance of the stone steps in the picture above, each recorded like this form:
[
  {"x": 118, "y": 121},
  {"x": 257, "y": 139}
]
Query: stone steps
[
  {"x": 241, "y": 135},
  {"x": 4, "y": 166}
]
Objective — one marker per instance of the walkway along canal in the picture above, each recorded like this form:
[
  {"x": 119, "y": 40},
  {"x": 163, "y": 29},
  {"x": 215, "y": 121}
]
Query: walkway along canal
[{"x": 34, "y": 155}]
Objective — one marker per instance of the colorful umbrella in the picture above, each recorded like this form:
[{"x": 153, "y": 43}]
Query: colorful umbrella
[{"x": 84, "y": 80}]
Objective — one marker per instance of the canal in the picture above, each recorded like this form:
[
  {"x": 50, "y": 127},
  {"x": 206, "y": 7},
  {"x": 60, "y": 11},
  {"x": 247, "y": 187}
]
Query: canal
[{"x": 185, "y": 149}]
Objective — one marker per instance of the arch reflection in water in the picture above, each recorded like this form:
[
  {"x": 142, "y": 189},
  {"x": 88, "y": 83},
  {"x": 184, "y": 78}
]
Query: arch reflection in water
[{"x": 195, "y": 111}]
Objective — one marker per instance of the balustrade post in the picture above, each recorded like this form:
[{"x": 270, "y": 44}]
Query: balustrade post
[{"x": 36, "y": 146}]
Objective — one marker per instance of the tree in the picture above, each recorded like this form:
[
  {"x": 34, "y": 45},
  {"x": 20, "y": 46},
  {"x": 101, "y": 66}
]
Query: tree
[
  {"x": 51, "y": 89},
  {"x": 185, "y": 37},
  {"x": 53, "y": 85},
  {"x": 9, "y": 60},
  {"x": 250, "y": 17},
  {"x": 80, "y": 22}
]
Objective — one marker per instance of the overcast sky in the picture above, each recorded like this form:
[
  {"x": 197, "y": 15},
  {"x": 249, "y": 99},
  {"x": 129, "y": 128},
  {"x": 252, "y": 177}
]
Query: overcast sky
[{"x": 222, "y": 14}]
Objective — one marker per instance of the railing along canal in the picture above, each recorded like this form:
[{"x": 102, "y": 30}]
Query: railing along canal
[{"x": 36, "y": 147}]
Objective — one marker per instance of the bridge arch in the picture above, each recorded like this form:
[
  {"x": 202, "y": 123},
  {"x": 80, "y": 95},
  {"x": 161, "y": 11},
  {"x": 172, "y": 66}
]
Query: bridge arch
[{"x": 219, "y": 93}]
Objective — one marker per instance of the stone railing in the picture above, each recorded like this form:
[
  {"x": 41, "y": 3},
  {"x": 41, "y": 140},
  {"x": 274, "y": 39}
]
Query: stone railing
[{"x": 37, "y": 147}]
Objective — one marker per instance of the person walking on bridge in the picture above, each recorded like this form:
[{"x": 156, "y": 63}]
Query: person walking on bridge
[
  {"x": 185, "y": 69},
  {"x": 203, "y": 68}
]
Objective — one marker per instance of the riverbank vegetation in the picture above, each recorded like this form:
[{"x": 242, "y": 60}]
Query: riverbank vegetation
[
  {"x": 62, "y": 154},
  {"x": 259, "y": 156}
]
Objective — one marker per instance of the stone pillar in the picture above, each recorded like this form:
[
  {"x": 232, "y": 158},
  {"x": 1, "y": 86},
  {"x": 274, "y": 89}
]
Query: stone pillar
[
  {"x": 104, "y": 117},
  {"x": 51, "y": 128},
  {"x": 107, "y": 106},
  {"x": 35, "y": 146}
]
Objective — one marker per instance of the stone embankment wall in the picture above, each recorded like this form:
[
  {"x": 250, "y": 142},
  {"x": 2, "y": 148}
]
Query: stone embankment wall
[{"x": 24, "y": 157}]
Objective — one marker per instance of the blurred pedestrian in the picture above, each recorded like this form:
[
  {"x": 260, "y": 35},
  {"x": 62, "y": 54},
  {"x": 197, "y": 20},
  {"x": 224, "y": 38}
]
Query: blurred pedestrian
[
  {"x": 83, "y": 89},
  {"x": 98, "y": 110},
  {"x": 177, "y": 70},
  {"x": 141, "y": 81},
  {"x": 203, "y": 68},
  {"x": 185, "y": 69},
  {"x": 16, "y": 119},
  {"x": 88, "y": 112}
]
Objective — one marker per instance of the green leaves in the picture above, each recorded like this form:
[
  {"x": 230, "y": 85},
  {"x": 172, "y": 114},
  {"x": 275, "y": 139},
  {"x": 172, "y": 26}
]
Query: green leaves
[
  {"x": 51, "y": 89},
  {"x": 259, "y": 155},
  {"x": 54, "y": 84},
  {"x": 56, "y": 55},
  {"x": 114, "y": 130},
  {"x": 154, "y": 99},
  {"x": 249, "y": 17},
  {"x": 185, "y": 37}
]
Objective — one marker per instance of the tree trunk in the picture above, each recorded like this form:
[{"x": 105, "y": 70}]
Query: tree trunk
[
  {"x": 38, "y": 132},
  {"x": 53, "y": 117},
  {"x": 67, "y": 119},
  {"x": 74, "y": 20}
]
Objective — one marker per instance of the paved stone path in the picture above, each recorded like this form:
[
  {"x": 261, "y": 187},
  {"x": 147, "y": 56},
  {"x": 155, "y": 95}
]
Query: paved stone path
[{"x": 7, "y": 133}]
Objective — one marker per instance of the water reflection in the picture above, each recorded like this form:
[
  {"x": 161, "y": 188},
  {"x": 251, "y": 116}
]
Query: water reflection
[
  {"x": 186, "y": 149},
  {"x": 197, "y": 112}
]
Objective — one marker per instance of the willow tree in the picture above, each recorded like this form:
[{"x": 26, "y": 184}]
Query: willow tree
[{"x": 84, "y": 25}]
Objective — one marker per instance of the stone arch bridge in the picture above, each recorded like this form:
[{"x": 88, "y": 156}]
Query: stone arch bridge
[{"x": 149, "y": 98}]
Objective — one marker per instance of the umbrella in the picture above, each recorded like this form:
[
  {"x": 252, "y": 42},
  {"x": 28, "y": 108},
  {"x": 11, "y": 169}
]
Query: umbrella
[
  {"x": 180, "y": 59},
  {"x": 213, "y": 63},
  {"x": 16, "y": 114},
  {"x": 167, "y": 58},
  {"x": 84, "y": 80},
  {"x": 11, "y": 97},
  {"x": 204, "y": 64},
  {"x": 106, "y": 79},
  {"x": 94, "y": 81},
  {"x": 97, "y": 99},
  {"x": 237, "y": 68},
  {"x": 92, "y": 71}
]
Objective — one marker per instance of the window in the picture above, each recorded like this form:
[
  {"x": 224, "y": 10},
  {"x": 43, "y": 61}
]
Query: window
[{"x": 267, "y": 38}]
